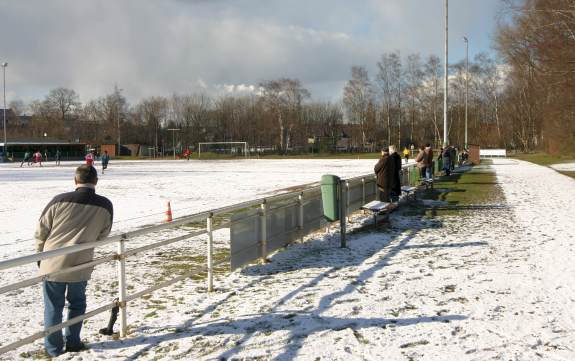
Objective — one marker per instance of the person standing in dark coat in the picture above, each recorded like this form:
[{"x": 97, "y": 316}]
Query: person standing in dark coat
[
  {"x": 384, "y": 170},
  {"x": 396, "y": 183},
  {"x": 105, "y": 161},
  {"x": 452, "y": 157},
  {"x": 420, "y": 162},
  {"x": 446, "y": 157},
  {"x": 429, "y": 158}
]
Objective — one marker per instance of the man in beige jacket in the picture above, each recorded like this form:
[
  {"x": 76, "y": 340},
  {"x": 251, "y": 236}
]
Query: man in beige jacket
[{"x": 69, "y": 219}]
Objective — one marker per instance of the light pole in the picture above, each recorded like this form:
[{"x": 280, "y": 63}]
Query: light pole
[
  {"x": 119, "y": 143},
  {"x": 4, "y": 65},
  {"x": 445, "y": 79},
  {"x": 174, "y": 130},
  {"x": 466, "y": 83}
]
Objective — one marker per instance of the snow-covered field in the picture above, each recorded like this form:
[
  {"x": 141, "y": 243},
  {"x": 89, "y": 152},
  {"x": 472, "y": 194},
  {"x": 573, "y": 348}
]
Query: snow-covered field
[
  {"x": 496, "y": 283},
  {"x": 139, "y": 190}
]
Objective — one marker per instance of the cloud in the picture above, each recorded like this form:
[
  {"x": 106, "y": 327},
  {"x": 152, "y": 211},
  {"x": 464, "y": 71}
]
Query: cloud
[{"x": 160, "y": 47}]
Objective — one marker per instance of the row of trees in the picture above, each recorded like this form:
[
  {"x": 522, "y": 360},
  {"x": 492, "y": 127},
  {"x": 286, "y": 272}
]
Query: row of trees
[
  {"x": 401, "y": 105},
  {"x": 538, "y": 44}
]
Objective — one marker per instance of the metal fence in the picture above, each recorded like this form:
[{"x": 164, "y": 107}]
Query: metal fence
[{"x": 257, "y": 228}]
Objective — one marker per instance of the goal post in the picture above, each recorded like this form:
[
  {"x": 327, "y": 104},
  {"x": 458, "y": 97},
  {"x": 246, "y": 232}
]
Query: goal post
[{"x": 232, "y": 148}]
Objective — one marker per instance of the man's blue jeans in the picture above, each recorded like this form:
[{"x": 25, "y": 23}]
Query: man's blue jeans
[{"x": 55, "y": 295}]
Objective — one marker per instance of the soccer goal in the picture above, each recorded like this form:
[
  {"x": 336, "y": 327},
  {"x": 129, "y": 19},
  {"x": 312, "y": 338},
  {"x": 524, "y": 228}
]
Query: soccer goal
[{"x": 226, "y": 149}]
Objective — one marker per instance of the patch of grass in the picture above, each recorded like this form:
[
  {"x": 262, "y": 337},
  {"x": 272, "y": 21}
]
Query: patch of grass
[
  {"x": 152, "y": 314},
  {"x": 176, "y": 263},
  {"x": 35, "y": 355},
  {"x": 462, "y": 191},
  {"x": 568, "y": 174},
  {"x": 544, "y": 158},
  {"x": 413, "y": 344}
]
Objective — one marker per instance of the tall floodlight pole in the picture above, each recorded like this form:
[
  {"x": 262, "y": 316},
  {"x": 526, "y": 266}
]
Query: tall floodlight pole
[
  {"x": 4, "y": 65},
  {"x": 445, "y": 79},
  {"x": 174, "y": 130},
  {"x": 119, "y": 143},
  {"x": 466, "y": 83}
]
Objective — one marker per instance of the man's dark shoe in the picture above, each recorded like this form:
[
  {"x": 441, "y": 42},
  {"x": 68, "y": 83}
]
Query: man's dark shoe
[{"x": 76, "y": 348}]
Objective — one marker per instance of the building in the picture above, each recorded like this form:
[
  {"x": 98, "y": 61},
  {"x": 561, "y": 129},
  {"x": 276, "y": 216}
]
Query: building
[{"x": 46, "y": 146}]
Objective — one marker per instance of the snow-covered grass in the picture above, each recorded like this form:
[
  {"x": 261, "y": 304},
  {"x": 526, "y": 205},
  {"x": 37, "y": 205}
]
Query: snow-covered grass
[
  {"x": 480, "y": 268},
  {"x": 139, "y": 190}
]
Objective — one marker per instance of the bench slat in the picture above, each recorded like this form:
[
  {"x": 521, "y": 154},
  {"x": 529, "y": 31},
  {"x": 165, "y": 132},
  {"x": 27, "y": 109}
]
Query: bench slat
[{"x": 376, "y": 206}]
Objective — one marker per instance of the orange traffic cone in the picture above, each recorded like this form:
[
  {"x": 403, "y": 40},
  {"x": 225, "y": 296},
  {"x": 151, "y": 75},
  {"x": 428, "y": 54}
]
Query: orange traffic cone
[{"x": 169, "y": 213}]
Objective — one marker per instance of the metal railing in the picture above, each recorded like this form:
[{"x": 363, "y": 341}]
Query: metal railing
[{"x": 351, "y": 201}]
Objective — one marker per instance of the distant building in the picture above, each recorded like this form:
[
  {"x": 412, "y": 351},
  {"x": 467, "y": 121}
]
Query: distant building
[
  {"x": 48, "y": 146},
  {"x": 14, "y": 120}
]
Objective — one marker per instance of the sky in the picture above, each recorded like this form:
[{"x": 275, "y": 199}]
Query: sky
[{"x": 151, "y": 47}]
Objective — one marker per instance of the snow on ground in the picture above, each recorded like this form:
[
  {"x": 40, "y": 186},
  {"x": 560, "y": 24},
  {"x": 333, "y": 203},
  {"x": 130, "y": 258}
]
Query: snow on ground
[
  {"x": 139, "y": 189},
  {"x": 496, "y": 284},
  {"x": 564, "y": 167}
]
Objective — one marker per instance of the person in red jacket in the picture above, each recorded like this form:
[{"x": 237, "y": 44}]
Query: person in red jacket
[
  {"x": 37, "y": 157},
  {"x": 89, "y": 158}
]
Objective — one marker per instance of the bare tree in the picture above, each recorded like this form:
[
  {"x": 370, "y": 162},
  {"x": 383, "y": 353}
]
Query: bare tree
[
  {"x": 62, "y": 101},
  {"x": 389, "y": 81},
  {"x": 414, "y": 82},
  {"x": 433, "y": 74},
  {"x": 153, "y": 112},
  {"x": 283, "y": 98},
  {"x": 357, "y": 97}
]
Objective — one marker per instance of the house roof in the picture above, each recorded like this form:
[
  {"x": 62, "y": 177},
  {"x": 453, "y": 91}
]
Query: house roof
[{"x": 38, "y": 141}]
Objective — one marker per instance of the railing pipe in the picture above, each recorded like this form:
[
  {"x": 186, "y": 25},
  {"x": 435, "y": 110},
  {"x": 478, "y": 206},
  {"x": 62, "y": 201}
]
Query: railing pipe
[{"x": 11, "y": 263}]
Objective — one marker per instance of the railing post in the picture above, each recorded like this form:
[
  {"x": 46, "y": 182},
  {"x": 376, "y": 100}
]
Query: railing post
[
  {"x": 362, "y": 191},
  {"x": 210, "y": 229},
  {"x": 264, "y": 225},
  {"x": 300, "y": 218},
  {"x": 342, "y": 214},
  {"x": 122, "y": 286},
  {"x": 347, "y": 199}
]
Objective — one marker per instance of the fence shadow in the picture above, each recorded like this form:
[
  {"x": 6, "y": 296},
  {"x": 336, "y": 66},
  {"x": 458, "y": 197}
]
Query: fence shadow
[{"x": 302, "y": 324}]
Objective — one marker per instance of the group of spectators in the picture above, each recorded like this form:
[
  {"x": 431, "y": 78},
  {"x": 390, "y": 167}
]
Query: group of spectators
[{"x": 388, "y": 168}]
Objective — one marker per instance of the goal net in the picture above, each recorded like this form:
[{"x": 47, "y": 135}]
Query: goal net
[{"x": 222, "y": 149}]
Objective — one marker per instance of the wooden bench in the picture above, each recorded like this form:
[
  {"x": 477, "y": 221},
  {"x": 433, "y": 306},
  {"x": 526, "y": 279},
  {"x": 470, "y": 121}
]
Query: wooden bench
[
  {"x": 427, "y": 182},
  {"x": 409, "y": 190},
  {"x": 379, "y": 208}
]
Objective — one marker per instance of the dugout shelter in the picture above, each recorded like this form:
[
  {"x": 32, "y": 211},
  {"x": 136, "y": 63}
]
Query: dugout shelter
[{"x": 46, "y": 146}]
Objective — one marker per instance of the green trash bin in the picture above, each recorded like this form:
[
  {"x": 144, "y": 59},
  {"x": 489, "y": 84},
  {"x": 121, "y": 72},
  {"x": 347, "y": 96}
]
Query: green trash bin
[
  {"x": 414, "y": 176},
  {"x": 329, "y": 196}
]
